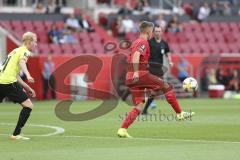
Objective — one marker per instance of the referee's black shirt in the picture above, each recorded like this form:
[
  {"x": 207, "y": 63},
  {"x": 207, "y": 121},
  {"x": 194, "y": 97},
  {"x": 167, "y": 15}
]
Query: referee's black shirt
[{"x": 157, "y": 51}]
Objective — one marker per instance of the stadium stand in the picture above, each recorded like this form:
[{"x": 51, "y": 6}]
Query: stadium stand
[
  {"x": 203, "y": 38},
  {"x": 92, "y": 42}
]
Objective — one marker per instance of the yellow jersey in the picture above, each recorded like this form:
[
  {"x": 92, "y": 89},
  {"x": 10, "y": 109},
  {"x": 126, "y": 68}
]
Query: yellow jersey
[{"x": 10, "y": 68}]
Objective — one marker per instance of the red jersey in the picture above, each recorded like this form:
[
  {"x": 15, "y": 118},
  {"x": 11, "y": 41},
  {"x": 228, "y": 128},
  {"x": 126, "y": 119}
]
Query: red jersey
[{"x": 141, "y": 45}]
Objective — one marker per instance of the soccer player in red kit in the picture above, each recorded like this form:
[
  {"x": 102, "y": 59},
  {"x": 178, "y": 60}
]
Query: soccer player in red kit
[{"x": 140, "y": 81}]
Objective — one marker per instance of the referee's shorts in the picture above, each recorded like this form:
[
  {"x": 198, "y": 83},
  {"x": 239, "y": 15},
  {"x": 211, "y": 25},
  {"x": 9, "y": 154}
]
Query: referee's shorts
[
  {"x": 13, "y": 91},
  {"x": 157, "y": 71}
]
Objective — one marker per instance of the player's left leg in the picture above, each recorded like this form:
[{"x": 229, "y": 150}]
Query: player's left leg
[
  {"x": 172, "y": 100},
  {"x": 23, "y": 117},
  {"x": 16, "y": 94},
  {"x": 169, "y": 94}
]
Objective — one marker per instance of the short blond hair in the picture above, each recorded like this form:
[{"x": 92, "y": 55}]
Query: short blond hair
[
  {"x": 28, "y": 36},
  {"x": 144, "y": 25}
]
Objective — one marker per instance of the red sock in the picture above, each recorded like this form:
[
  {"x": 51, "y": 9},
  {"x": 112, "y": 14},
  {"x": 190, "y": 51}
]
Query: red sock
[
  {"x": 172, "y": 100},
  {"x": 132, "y": 115}
]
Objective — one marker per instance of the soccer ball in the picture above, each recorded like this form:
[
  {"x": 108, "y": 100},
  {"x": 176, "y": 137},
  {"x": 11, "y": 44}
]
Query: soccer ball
[{"x": 190, "y": 84}]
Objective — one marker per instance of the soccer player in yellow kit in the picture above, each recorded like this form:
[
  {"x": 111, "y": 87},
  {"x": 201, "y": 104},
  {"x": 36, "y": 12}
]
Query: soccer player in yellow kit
[{"x": 11, "y": 84}]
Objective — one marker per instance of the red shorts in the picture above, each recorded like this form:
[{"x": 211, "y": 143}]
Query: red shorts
[{"x": 146, "y": 84}]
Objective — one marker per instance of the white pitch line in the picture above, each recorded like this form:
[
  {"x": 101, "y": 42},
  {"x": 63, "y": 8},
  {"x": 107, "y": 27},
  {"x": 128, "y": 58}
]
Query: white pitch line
[
  {"x": 58, "y": 130},
  {"x": 150, "y": 139}
]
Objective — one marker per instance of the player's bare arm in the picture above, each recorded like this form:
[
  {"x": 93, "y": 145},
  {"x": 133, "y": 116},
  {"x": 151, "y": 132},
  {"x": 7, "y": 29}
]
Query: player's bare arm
[
  {"x": 25, "y": 86},
  {"x": 23, "y": 66},
  {"x": 169, "y": 59},
  {"x": 135, "y": 61}
]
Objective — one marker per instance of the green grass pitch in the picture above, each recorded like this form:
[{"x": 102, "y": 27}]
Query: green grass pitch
[{"x": 213, "y": 134}]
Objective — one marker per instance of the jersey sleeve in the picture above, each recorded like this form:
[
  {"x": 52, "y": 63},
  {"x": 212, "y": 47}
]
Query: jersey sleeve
[
  {"x": 140, "y": 47},
  {"x": 167, "y": 49},
  {"x": 24, "y": 55}
]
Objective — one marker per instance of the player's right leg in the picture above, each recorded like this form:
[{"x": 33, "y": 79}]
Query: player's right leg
[
  {"x": 138, "y": 101},
  {"x": 131, "y": 116}
]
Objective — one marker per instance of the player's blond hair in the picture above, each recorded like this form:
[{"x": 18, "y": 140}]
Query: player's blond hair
[
  {"x": 144, "y": 25},
  {"x": 28, "y": 36}
]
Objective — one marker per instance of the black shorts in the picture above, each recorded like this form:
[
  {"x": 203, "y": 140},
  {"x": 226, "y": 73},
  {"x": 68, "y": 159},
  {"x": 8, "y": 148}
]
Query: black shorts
[
  {"x": 13, "y": 92},
  {"x": 156, "y": 72}
]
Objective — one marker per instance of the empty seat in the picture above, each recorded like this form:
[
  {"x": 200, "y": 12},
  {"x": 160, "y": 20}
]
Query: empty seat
[
  {"x": 185, "y": 48},
  {"x": 16, "y": 24},
  {"x": 215, "y": 27},
  {"x": 224, "y": 27},
  {"x": 67, "y": 49},
  {"x": 88, "y": 48},
  {"x": 98, "y": 48},
  {"x": 205, "y": 27},
  {"x": 78, "y": 49},
  {"x": 55, "y": 49},
  {"x": 43, "y": 48},
  {"x": 234, "y": 48},
  {"x": 175, "y": 48}
]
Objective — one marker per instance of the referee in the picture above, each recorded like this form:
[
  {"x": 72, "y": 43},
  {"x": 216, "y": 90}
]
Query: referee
[{"x": 158, "y": 49}]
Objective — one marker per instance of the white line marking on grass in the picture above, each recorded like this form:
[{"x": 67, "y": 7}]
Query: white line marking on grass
[
  {"x": 152, "y": 139},
  {"x": 58, "y": 130}
]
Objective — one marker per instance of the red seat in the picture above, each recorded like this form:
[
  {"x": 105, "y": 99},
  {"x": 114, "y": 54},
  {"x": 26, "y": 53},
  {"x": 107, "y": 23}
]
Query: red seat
[
  {"x": 67, "y": 49},
  {"x": 88, "y": 48},
  {"x": 77, "y": 49},
  {"x": 48, "y": 25},
  {"x": 43, "y": 48},
  {"x": 224, "y": 48},
  {"x": 85, "y": 39},
  {"x": 204, "y": 47},
  {"x": 205, "y": 27},
  {"x": 234, "y": 27},
  {"x": 215, "y": 27},
  {"x": 181, "y": 38},
  {"x": 214, "y": 48},
  {"x": 98, "y": 48},
  {"x": 219, "y": 38},
  {"x": 42, "y": 37},
  {"x": 200, "y": 37},
  {"x": 234, "y": 48},
  {"x": 95, "y": 37},
  {"x": 16, "y": 24},
  {"x": 185, "y": 48},
  {"x": 229, "y": 37},
  {"x": 187, "y": 28},
  {"x": 210, "y": 38},
  {"x": 59, "y": 24},
  {"x": 18, "y": 33},
  {"x": 172, "y": 38},
  {"x": 197, "y": 28},
  {"x": 224, "y": 27},
  {"x": 191, "y": 38},
  {"x": 195, "y": 47},
  {"x": 55, "y": 49},
  {"x": 39, "y": 26},
  {"x": 175, "y": 48},
  {"x": 28, "y": 26}
]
